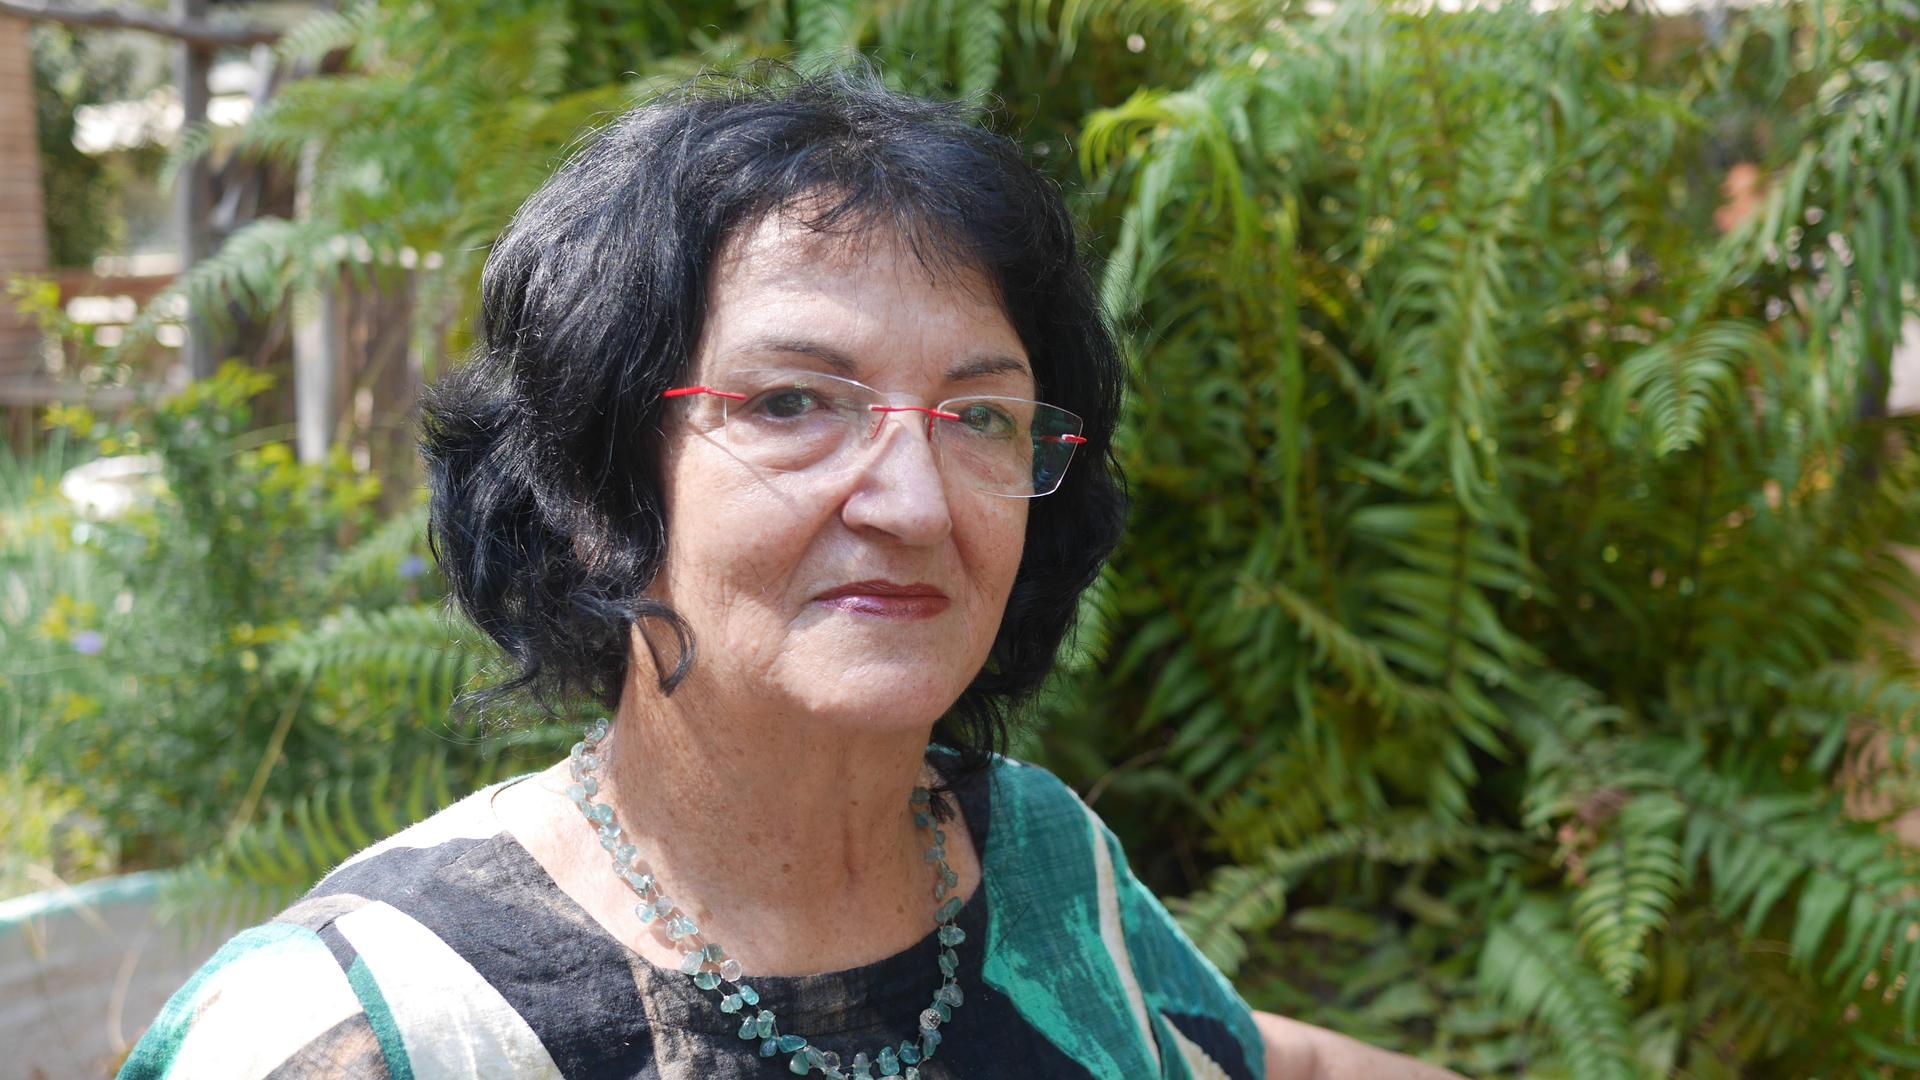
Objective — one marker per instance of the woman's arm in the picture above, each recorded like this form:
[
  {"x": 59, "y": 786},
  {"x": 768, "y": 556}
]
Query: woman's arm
[{"x": 1297, "y": 1051}]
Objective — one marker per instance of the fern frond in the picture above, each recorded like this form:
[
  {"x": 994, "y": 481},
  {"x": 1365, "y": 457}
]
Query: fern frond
[
  {"x": 270, "y": 863},
  {"x": 391, "y": 552},
  {"x": 322, "y": 32},
  {"x": 416, "y": 651},
  {"x": 189, "y": 145},
  {"x": 1673, "y": 388},
  {"x": 1530, "y": 962},
  {"x": 1633, "y": 876},
  {"x": 1240, "y": 900},
  {"x": 824, "y": 28},
  {"x": 980, "y": 43},
  {"x": 1854, "y": 897}
]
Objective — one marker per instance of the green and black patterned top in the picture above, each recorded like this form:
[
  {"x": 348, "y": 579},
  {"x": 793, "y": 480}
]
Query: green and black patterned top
[{"x": 447, "y": 951}]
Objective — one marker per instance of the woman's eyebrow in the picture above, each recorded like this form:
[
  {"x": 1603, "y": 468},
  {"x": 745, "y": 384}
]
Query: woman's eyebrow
[
  {"x": 973, "y": 367},
  {"x": 992, "y": 364},
  {"x": 840, "y": 362}
]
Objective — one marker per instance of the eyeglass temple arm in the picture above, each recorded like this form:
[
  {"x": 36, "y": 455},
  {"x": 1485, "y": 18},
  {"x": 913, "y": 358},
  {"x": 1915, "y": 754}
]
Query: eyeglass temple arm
[
  {"x": 689, "y": 391},
  {"x": 1070, "y": 440}
]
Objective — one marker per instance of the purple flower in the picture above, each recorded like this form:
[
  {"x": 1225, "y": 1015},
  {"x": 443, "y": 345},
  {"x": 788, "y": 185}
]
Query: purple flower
[
  {"x": 412, "y": 567},
  {"x": 88, "y": 642}
]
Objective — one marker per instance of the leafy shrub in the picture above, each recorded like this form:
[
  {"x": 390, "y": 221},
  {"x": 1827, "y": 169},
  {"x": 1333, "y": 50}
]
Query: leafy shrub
[
  {"x": 172, "y": 663},
  {"x": 1515, "y": 558}
]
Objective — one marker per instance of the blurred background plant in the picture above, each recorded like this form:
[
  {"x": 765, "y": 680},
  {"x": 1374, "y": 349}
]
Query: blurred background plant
[
  {"x": 202, "y": 631},
  {"x": 1510, "y": 660}
]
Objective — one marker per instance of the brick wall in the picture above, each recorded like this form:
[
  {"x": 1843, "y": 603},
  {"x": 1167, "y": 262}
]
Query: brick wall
[{"x": 23, "y": 236}]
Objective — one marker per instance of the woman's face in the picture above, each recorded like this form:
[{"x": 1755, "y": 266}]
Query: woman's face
[{"x": 752, "y": 554}]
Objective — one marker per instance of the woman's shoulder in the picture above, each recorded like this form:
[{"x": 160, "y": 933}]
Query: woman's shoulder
[
  {"x": 1013, "y": 781},
  {"x": 382, "y": 964},
  {"x": 273, "y": 999},
  {"x": 1061, "y": 884}
]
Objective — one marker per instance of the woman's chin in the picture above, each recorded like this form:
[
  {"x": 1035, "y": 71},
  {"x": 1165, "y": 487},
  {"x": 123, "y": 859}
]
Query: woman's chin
[{"x": 899, "y": 695}]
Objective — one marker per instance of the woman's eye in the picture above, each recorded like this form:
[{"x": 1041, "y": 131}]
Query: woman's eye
[
  {"x": 983, "y": 419},
  {"x": 789, "y": 403}
]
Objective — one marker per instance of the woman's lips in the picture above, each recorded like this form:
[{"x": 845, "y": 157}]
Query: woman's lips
[{"x": 887, "y": 600}]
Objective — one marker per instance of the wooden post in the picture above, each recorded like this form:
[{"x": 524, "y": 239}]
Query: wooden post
[
  {"x": 191, "y": 64},
  {"x": 316, "y": 346},
  {"x": 23, "y": 233}
]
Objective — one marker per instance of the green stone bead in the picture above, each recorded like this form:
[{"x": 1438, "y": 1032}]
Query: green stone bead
[
  {"x": 690, "y": 963},
  {"x": 799, "y": 1065},
  {"x": 790, "y": 1043},
  {"x": 888, "y": 1062},
  {"x": 951, "y": 994},
  {"x": 952, "y": 935},
  {"x": 748, "y": 1029},
  {"x": 712, "y": 953},
  {"x": 764, "y": 1023},
  {"x": 911, "y": 1074},
  {"x": 921, "y": 820},
  {"x": 601, "y": 814},
  {"x": 749, "y": 995},
  {"x": 769, "y": 1047},
  {"x": 945, "y": 1011},
  {"x": 929, "y": 1040},
  {"x": 730, "y": 1003},
  {"x": 949, "y": 962},
  {"x": 920, "y": 797},
  {"x": 707, "y": 980},
  {"x": 949, "y": 909},
  {"x": 910, "y": 1052}
]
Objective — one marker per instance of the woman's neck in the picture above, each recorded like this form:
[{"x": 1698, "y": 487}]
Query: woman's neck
[{"x": 782, "y": 837}]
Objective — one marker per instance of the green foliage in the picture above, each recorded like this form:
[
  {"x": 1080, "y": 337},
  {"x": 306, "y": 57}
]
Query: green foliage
[
  {"x": 1543, "y": 511},
  {"x": 190, "y": 666},
  {"x": 267, "y": 865},
  {"x": 1532, "y": 964}
]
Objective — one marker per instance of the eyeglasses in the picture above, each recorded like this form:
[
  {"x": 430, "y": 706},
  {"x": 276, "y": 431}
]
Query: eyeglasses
[{"x": 794, "y": 420}]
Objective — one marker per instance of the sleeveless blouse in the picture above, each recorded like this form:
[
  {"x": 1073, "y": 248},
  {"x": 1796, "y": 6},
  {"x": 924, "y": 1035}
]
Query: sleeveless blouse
[{"x": 447, "y": 951}]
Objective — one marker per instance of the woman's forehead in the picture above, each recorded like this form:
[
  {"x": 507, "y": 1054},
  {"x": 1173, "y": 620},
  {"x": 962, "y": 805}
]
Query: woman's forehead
[{"x": 849, "y": 301}]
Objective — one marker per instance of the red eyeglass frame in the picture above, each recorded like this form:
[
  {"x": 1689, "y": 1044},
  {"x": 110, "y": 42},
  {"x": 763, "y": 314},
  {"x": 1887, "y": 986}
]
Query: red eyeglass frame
[{"x": 932, "y": 413}]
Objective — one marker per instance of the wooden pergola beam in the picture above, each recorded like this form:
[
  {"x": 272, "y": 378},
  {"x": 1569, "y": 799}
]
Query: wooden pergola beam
[{"x": 193, "y": 32}]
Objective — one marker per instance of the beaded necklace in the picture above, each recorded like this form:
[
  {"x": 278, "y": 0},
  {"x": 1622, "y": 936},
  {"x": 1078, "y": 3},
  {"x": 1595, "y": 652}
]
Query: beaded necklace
[{"x": 709, "y": 966}]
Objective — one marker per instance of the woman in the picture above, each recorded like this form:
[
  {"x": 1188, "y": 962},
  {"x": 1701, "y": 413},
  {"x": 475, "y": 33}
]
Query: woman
[{"x": 766, "y": 453}]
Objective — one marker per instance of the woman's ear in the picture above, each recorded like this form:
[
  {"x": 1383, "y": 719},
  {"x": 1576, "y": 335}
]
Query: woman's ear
[{"x": 660, "y": 663}]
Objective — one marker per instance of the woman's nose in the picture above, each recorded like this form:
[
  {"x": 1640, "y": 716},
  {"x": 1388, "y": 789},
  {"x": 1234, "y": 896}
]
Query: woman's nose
[{"x": 899, "y": 489}]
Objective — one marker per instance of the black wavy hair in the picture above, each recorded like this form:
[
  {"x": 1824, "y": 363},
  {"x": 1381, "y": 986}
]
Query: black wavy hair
[{"x": 593, "y": 301}]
